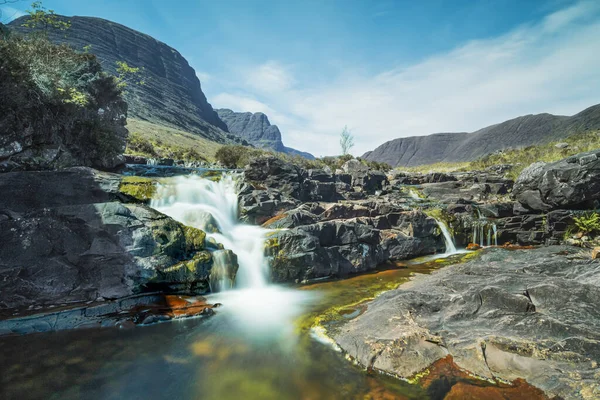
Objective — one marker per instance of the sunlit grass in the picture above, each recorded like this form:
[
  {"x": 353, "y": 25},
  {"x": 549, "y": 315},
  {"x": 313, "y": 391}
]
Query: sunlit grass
[{"x": 520, "y": 158}]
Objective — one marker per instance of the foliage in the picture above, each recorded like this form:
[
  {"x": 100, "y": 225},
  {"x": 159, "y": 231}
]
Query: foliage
[
  {"x": 523, "y": 157},
  {"x": 62, "y": 99},
  {"x": 128, "y": 74},
  {"x": 42, "y": 19},
  {"x": 587, "y": 223},
  {"x": 346, "y": 140},
  {"x": 155, "y": 148},
  {"x": 236, "y": 156},
  {"x": 519, "y": 158}
]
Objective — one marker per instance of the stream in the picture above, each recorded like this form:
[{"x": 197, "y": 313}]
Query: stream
[{"x": 265, "y": 342}]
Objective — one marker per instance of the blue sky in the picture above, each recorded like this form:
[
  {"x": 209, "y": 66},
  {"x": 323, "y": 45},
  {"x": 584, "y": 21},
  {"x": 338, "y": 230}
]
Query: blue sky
[{"x": 385, "y": 68}]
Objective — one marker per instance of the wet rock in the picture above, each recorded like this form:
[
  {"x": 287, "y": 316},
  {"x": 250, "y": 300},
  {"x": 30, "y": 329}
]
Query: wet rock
[
  {"x": 530, "y": 314},
  {"x": 291, "y": 219},
  {"x": 573, "y": 182},
  {"x": 81, "y": 252},
  {"x": 223, "y": 271}
]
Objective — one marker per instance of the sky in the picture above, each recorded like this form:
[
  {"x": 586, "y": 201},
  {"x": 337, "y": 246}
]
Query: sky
[{"x": 383, "y": 68}]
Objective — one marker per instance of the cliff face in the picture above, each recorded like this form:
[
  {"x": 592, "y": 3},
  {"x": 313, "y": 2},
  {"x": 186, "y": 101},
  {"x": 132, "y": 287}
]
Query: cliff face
[
  {"x": 171, "y": 95},
  {"x": 256, "y": 129},
  {"x": 456, "y": 147}
]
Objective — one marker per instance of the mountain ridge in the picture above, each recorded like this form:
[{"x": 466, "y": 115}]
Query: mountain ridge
[
  {"x": 258, "y": 130},
  {"x": 172, "y": 94},
  {"x": 468, "y": 146}
]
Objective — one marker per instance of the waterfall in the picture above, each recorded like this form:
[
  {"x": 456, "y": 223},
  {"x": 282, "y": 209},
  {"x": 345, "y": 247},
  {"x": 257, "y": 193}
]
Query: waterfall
[
  {"x": 213, "y": 207},
  {"x": 450, "y": 247},
  {"x": 484, "y": 231}
]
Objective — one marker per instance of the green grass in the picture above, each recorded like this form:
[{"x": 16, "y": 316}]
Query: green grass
[
  {"x": 520, "y": 158},
  {"x": 156, "y": 141}
]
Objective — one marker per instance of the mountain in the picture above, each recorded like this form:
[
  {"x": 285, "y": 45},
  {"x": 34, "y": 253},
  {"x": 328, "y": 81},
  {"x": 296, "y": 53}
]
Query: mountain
[
  {"x": 456, "y": 147},
  {"x": 171, "y": 95},
  {"x": 256, "y": 129}
]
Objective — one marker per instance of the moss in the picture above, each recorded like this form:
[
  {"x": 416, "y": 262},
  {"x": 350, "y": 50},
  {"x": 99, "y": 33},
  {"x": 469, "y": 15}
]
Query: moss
[
  {"x": 139, "y": 189},
  {"x": 194, "y": 238},
  {"x": 186, "y": 271}
]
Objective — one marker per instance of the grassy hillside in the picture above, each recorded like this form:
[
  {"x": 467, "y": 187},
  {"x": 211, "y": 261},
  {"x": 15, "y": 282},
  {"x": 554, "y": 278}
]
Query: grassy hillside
[
  {"x": 157, "y": 141},
  {"x": 521, "y": 157}
]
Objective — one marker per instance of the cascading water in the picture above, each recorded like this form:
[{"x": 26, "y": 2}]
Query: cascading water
[
  {"x": 260, "y": 308},
  {"x": 450, "y": 247},
  {"x": 213, "y": 207},
  {"x": 484, "y": 231}
]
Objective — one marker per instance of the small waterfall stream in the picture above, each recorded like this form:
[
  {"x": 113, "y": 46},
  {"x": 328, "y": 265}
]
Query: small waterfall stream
[
  {"x": 258, "y": 308},
  {"x": 450, "y": 247},
  {"x": 213, "y": 207},
  {"x": 484, "y": 231}
]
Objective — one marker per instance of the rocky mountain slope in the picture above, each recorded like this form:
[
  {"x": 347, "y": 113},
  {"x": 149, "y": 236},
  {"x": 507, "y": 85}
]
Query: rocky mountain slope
[
  {"x": 463, "y": 146},
  {"x": 256, "y": 129},
  {"x": 171, "y": 95}
]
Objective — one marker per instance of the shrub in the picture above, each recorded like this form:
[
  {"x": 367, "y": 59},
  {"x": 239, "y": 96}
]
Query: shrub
[
  {"x": 587, "y": 223},
  {"x": 233, "y": 156},
  {"x": 58, "y": 106}
]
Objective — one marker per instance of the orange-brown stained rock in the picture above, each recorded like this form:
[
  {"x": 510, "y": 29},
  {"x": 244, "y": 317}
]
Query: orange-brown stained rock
[
  {"x": 509, "y": 245},
  {"x": 274, "y": 219},
  {"x": 180, "y": 306},
  {"x": 596, "y": 253},
  {"x": 473, "y": 246},
  {"x": 444, "y": 374},
  {"x": 520, "y": 390}
]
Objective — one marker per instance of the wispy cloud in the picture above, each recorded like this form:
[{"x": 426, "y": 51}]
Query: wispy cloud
[
  {"x": 8, "y": 13},
  {"x": 549, "y": 66}
]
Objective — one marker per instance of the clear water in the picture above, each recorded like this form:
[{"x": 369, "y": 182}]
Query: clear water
[{"x": 259, "y": 345}]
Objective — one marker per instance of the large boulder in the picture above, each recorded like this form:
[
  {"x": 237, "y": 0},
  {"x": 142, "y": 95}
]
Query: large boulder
[
  {"x": 573, "y": 182},
  {"x": 337, "y": 248},
  {"x": 68, "y": 238},
  {"x": 530, "y": 314},
  {"x": 105, "y": 250}
]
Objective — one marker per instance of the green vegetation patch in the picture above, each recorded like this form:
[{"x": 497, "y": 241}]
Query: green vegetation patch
[{"x": 139, "y": 189}]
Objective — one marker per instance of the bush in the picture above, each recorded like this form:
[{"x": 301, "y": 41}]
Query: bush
[
  {"x": 58, "y": 108},
  {"x": 236, "y": 156},
  {"x": 587, "y": 223}
]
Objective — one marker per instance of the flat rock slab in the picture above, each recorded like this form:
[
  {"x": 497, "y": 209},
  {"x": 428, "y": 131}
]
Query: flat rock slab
[{"x": 531, "y": 314}]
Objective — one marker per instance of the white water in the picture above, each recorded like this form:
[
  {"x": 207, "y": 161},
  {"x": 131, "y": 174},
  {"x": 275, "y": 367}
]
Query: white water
[
  {"x": 192, "y": 200},
  {"x": 450, "y": 247},
  {"x": 481, "y": 235},
  {"x": 257, "y": 307}
]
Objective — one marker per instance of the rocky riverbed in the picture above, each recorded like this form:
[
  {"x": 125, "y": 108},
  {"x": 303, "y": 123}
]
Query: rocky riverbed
[{"x": 508, "y": 314}]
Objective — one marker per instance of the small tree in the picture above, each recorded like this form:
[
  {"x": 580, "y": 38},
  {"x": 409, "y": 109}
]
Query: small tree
[
  {"x": 127, "y": 74},
  {"x": 43, "y": 19},
  {"x": 346, "y": 140}
]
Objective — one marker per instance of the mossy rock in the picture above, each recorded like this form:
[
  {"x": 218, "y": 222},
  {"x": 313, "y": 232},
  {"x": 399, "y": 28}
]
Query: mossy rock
[
  {"x": 191, "y": 270},
  {"x": 194, "y": 238},
  {"x": 138, "y": 189}
]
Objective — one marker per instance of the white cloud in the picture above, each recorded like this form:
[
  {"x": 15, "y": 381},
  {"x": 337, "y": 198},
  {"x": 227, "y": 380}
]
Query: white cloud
[
  {"x": 203, "y": 76},
  {"x": 8, "y": 13},
  {"x": 551, "y": 66},
  {"x": 271, "y": 77}
]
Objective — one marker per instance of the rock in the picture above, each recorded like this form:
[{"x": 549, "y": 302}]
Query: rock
[
  {"x": 595, "y": 253},
  {"x": 336, "y": 248},
  {"x": 569, "y": 183},
  {"x": 509, "y": 314},
  {"x": 223, "y": 271},
  {"x": 562, "y": 145},
  {"x": 82, "y": 252},
  {"x": 292, "y": 218},
  {"x": 274, "y": 173},
  {"x": 257, "y": 130},
  {"x": 359, "y": 175},
  {"x": 473, "y": 246}
]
